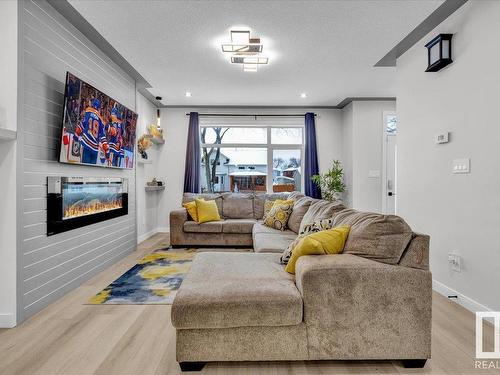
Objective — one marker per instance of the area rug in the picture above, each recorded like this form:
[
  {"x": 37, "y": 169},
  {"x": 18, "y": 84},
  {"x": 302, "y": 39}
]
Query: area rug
[{"x": 153, "y": 281}]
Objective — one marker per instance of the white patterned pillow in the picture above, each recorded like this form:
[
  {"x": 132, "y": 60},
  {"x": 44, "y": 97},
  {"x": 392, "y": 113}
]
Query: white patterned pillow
[
  {"x": 287, "y": 254},
  {"x": 317, "y": 226}
]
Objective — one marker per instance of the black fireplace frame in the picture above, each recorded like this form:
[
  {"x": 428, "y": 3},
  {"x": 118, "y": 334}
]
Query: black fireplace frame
[{"x": 55, "y": 223}]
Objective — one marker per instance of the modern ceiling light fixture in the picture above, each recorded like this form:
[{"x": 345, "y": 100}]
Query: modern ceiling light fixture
[
  {"x": 245, "y": 50},
  {"x": 242, "y": 43},
  {"x": 188, "y": 94},
  {"x": 303, "y": 95}
]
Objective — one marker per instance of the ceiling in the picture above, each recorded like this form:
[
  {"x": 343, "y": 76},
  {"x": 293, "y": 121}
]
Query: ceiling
[{"x": 326, "y": 49}]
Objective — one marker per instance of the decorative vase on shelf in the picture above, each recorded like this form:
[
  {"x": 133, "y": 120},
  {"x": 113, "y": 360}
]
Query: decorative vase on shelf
[{"x": 142, "y": 145}]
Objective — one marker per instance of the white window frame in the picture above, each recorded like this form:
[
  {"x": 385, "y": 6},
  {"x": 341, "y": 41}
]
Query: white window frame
[
  {"x": 270, "y": 147},
  {"x": 385, "y": 115}
]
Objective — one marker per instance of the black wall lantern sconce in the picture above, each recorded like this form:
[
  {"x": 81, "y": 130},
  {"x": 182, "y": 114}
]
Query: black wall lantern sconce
[{"x": 439, "y": 52}]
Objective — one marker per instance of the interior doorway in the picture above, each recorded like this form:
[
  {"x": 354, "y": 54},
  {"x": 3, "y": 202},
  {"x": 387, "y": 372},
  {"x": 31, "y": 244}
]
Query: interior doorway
[{"x": 389, "y": 163}]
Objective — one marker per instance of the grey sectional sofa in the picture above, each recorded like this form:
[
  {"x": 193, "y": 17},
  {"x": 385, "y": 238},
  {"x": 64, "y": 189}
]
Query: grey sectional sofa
[
  {"x": 242, "y": 222},
  {"x": 373, "y": 301}
]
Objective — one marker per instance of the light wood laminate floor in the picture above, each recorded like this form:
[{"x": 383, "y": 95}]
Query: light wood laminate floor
[{"x": 71, "y": 338}]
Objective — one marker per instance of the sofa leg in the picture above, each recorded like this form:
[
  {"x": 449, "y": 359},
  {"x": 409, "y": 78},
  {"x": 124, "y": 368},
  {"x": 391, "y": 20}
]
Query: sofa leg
[
  {"x": 414, "y": 363},
  {"x": 191, "y": 366}
]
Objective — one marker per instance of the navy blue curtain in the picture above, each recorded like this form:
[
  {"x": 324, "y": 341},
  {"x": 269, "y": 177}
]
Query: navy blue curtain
[
  {"x": 192, "y": 169},
  {"x": 311, "y": 157}
]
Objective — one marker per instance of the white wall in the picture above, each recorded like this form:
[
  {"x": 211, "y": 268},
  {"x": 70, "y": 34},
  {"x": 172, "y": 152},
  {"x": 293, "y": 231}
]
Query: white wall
[
  {"x": 8, "y": 153},
  {"x": 347, "y": 152},
  {"x": 147, "y": 202},
  {"x": 362, "y": 153},
  {"x": 50, "y": 266},
  {"x": 172, "y": 155},
  {"x": 460, "y": 212}
]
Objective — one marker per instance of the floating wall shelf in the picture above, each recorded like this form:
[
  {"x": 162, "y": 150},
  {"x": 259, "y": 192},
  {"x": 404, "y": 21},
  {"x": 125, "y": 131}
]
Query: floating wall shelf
[
  {"x": 144, "y": 161},
  {"x": 158, "y": 141},
  {"x": 155, "y": 188},
  {"x": 155, "y": 140}
]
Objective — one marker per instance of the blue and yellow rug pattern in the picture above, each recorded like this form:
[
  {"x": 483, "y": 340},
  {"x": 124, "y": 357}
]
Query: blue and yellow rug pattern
[{"x": 154, "y": 280}]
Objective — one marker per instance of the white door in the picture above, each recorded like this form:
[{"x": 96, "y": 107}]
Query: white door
[{"x": 389, "y": 180}]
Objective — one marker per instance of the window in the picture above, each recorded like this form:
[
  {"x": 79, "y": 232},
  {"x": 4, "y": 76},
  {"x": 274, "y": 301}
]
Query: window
[
  {"x": 290, "y": 136},
  {"x": 391, "y": 124},
  {"x": 286, "y": 170},
  {"x": 251, "y": 158},
  {"x": 225, "y": 135}
]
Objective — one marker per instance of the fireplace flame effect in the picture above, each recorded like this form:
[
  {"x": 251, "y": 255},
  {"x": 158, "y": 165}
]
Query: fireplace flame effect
[{"x": 93, "y": 207}]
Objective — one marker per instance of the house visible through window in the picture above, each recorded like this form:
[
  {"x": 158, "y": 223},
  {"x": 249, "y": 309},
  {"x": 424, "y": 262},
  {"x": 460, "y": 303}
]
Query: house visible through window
[{"x": 251, "y": 158}]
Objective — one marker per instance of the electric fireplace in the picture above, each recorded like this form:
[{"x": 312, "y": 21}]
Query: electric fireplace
[{"x": 74, "y": 202}]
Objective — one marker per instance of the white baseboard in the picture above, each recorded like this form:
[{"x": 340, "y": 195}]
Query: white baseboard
[
  {"x": 146, "y": 235},
  {"x": 461, "y": 299},
  {"x": 151, "y": 233},
  {"x": 7, "y": 321}
]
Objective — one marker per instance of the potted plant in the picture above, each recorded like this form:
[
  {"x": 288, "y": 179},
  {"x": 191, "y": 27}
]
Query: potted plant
[{"x": 331, "y": 183}]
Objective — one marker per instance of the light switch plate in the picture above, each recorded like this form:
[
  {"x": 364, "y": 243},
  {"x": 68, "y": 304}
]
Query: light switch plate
[
  {"x": 455, "y": 262},
  {"x": 461, "y": 166}
]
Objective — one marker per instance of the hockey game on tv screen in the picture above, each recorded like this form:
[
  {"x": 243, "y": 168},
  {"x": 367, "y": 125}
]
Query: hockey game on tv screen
[{"x": 97, "y": 130}]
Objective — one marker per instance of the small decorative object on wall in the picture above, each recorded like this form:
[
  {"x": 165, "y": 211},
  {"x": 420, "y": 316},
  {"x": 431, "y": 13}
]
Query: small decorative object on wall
[
  {"x": 154, "y": 182},
  {"x": 155, "y": 185},
  {"x": 143, "y": 144},
  {"x": 331, "y": 183},
  {"x": 155, "y": 131},
  {"x": 439, "y": 52}
]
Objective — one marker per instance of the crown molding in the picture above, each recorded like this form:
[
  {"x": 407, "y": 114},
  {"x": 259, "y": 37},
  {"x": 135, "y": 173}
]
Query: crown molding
[{"x": 341, "y": 105}]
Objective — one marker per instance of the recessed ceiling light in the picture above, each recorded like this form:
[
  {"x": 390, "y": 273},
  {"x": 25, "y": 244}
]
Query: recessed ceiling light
[
  {"x": 188, "y": 94},
  {"x": 303, "y": 95}
]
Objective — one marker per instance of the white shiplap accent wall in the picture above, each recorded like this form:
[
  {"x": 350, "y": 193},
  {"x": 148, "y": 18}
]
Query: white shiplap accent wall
[{"x": 49, "y": 267}]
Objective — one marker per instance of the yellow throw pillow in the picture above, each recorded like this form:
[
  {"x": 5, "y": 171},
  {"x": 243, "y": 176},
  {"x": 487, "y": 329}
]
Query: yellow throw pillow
[
  {"x": 191, "y": 209},
  {"x": 207, "y": 211},
  {"x": 329, "y": 241},
  {"x": 279, "y": 214},
  {"x": 268, "y": 205}
]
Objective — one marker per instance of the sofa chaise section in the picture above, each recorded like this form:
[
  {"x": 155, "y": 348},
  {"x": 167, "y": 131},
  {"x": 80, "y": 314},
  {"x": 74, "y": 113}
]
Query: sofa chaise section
[
  {"x": 357, "y": 308},
  {"x": 237, "y": 307},
  {"x": 245, "y": 307}
]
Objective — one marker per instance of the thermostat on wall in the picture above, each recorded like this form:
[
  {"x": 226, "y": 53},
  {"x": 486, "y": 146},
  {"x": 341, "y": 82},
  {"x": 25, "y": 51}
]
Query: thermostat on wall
[{"x": 442, "y": 138}]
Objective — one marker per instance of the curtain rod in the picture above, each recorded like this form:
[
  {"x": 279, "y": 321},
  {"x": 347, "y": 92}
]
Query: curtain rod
[{"x": 247, "y": 115}]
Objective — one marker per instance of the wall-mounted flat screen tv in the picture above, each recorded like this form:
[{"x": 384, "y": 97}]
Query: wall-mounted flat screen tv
[{"x": 97, "y": 130}]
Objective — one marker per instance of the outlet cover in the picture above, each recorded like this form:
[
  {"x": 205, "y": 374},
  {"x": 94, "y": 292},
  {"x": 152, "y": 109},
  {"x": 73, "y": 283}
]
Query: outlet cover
[{"x": 455, "y": 262}]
